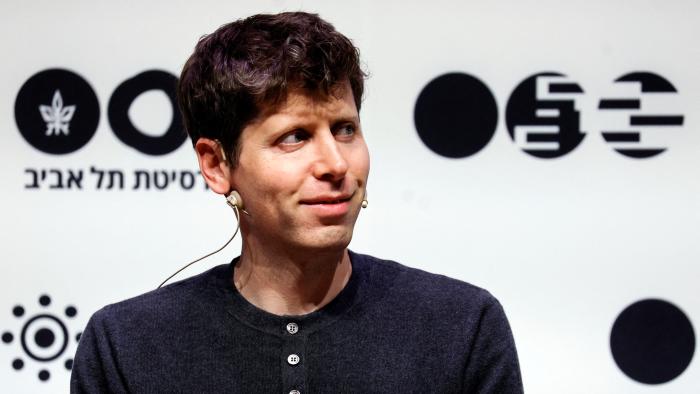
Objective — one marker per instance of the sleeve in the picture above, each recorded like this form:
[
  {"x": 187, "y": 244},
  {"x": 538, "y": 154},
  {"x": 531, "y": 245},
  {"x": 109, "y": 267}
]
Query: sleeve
[
  {"x": 95, "y": 369},
  {"x": 493, "y": 365}
]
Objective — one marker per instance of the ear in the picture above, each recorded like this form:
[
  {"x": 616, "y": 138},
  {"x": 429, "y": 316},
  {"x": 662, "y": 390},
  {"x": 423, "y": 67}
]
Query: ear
[{"x": 212, "y": 164}]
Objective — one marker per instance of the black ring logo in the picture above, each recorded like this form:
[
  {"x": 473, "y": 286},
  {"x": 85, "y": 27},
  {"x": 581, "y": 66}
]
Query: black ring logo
[{"x": 124, "y": 129}]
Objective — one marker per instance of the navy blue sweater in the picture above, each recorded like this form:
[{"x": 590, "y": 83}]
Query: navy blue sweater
[{"x": 391, "y": 329}]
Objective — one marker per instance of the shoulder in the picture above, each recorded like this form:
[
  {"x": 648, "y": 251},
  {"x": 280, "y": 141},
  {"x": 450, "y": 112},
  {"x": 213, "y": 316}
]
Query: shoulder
[
  {"x": 414, "y": 281},
  {"x": 428, "y": 292},
  {"x": 461, "y": 318},
  {"x": 122, "y": 339},
  {"x": 168, "y": 304}
]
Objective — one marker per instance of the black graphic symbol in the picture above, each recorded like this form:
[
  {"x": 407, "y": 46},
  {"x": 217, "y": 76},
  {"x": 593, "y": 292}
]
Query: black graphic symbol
[
  {"x": 629, "y": 141},
  {"x": 44, "y": 337},
  {"x": 542, "y": 117},
  {"x": 57, "y": 111},
  {"x": 123, "y": 127},
  {"x": 456, "y": 115},
  {"x": 652, "y": 341}
]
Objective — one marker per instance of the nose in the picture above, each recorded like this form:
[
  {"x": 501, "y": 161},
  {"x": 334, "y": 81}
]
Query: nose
[{"x": 330, "y": 164}]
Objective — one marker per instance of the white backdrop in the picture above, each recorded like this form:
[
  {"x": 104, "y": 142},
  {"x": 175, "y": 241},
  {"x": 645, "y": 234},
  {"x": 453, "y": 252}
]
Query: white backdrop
[{"x": 566, "y": 244}]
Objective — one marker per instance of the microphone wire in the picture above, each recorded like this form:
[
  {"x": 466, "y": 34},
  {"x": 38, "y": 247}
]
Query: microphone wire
[{"x": 238, "y": 227}]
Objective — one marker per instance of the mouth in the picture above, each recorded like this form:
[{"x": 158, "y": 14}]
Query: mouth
[
  {"x": 327, "y": 200},
  {"x": 329, "y": 207}
]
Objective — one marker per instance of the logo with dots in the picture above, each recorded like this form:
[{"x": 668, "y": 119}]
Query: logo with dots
[{"x": 43, "y": 338}]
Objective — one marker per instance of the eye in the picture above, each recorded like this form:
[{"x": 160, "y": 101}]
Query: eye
[
  {"x": 294, "y": 137},
  {"x": 345, "y": 130}
]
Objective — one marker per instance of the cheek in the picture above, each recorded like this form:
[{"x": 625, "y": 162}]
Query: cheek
[
  {"x": 367, "y": 161},
  {"x": 275, "y": 179},
  {"x": 361, "y": 162}
]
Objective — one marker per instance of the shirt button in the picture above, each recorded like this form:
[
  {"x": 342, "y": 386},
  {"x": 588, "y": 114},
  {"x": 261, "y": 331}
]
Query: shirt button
[
  {"x": 292, "y": 328},
  {"x": 293, "y": 359},
  {"x": 295, "y": 392}
]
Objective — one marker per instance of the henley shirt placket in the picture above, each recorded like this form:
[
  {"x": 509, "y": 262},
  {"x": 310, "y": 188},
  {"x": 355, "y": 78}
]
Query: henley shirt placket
[{"x": 293, "y": 359}]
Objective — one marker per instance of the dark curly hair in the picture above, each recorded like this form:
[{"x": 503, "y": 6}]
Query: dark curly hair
[{"x": 251, "y": 64}]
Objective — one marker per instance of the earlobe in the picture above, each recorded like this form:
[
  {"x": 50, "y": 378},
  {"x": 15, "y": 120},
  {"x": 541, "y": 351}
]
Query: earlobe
[{"x": 213, "y": 165}]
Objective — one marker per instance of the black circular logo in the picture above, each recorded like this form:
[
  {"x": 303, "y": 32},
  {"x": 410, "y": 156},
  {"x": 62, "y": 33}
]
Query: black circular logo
[
  {"x": 542, "y": 116},
  {"x": 456, "y": 115},
  {"x": 652, "y": 341},
  {"x": 44, "y": 337},
  {"x": 123, "y": 127},
  {"x": 57, "y": 111},
  {"x": 634, "y": 120},
  {"x": 40, "y": 342}
]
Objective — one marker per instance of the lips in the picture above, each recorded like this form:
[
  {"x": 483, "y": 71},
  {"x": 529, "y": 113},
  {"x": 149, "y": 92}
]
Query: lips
[
  {"x": 330, "y": 206},
  {"x": 327, "y": 199}
]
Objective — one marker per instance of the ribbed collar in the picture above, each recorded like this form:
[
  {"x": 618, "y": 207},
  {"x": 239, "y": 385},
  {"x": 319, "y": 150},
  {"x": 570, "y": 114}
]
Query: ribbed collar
[{"x": 252, "y": 316}]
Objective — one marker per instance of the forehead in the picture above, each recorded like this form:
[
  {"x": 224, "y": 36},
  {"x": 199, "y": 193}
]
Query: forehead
[{"x": 300, "y": 102}]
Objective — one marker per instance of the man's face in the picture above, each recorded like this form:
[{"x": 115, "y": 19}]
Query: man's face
[{"x": 302, "y": 172}]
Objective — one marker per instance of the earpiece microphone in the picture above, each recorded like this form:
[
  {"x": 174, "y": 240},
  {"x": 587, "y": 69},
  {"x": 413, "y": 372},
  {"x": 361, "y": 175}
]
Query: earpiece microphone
[
  {"x": 234, "y": 200},
  {"x": 364, "y": 203}
]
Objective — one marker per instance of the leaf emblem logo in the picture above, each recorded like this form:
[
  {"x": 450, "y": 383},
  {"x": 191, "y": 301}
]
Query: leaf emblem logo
[{"x": 56, "y": 116}]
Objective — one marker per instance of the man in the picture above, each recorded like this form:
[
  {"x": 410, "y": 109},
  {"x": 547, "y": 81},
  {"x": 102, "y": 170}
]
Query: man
[{"x": 272, "y": 105}]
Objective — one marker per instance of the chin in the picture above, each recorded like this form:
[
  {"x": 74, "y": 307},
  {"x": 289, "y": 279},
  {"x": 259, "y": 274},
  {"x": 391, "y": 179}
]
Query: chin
[{"x": 328, "y": 239}]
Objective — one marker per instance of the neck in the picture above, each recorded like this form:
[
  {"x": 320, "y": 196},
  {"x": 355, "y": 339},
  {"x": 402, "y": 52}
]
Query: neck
[{"x": 288, "y": 283}]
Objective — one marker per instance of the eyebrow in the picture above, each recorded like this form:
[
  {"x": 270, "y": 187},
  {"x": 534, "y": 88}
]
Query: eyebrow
[{"x": 351, "y": 118}]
